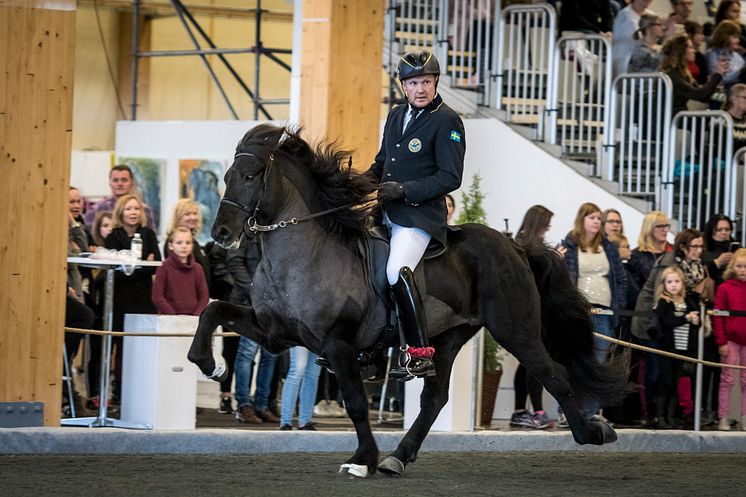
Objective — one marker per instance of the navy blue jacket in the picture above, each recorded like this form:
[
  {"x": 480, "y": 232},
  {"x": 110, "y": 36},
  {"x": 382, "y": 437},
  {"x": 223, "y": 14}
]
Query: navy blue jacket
[
  {"x": 617, "y": 273},
  {"x": 428, "y": 159}
]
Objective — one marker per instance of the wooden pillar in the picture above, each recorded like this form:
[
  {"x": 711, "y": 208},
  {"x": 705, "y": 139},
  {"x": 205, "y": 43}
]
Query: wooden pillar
[
  {"x": 37, "y": 41},
  {"x": 340, "y": 95}
]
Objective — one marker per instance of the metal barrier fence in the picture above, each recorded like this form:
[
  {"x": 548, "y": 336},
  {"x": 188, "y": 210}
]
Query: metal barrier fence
[
  {"x": 637, "y": 142},
  {"x": 578, "y": 110},
  {"x": 470, "y": 42},
  {"x": 524, "y": 62},
  {"x": 739, "y": 166},
  {"x": 698, "y": 176}
]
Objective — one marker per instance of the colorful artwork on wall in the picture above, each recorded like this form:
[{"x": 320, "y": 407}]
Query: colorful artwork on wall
[
  {"x": 202, "y": 181},
  {"x": 148, "y": 179}
]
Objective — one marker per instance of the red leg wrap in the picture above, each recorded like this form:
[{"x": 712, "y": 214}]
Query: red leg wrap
[{"x": 421, "y": 351}]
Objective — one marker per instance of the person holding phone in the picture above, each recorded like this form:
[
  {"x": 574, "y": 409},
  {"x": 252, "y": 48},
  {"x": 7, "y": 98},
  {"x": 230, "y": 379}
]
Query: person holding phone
[{"x": 719, "y": 246}]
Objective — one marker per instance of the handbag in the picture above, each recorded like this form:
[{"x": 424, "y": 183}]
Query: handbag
[{"x": 706, "y": 289}]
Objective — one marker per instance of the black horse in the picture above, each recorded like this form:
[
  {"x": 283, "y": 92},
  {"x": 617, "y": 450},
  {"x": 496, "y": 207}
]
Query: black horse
[{"x": 310, "y": 289}]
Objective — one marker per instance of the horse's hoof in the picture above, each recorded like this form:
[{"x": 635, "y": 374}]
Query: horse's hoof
[
  {"x": 391, "y": 466},
  {"x": 608, "y": 434},
  {"x": 220, "y": 373},
  {"x": 357, "y": 470}
]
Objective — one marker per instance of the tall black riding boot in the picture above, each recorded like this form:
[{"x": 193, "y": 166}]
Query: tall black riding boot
[{"x": 418, "y": 357}]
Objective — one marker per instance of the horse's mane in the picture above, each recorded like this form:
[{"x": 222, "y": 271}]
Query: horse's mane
[{"x": 330, "y": 168}]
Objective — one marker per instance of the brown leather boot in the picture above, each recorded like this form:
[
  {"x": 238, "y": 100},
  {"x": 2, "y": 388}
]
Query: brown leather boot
[{"x": 246, "y": 414}]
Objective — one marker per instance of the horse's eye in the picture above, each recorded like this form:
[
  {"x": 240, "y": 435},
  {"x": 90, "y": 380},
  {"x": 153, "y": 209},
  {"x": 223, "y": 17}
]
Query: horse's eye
[{"x": 249, "y": 177}]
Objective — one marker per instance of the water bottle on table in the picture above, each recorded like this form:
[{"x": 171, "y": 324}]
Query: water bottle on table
[{"x": 136, "y": 247}]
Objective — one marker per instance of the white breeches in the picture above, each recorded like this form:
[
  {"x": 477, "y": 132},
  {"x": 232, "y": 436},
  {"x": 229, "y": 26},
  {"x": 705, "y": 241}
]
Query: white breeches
[{"x": 407, "y": 247}]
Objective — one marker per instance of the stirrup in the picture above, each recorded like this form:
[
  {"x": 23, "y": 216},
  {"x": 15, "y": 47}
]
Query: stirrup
[
  {"x": 411, "y": 366},
  {"x": 324, "y": 363}
]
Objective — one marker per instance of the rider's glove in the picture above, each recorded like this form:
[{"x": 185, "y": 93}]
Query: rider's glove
[{"x": 390, "y": 190}]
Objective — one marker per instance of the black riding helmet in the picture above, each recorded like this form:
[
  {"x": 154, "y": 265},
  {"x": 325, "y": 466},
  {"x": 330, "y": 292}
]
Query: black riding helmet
[{"x": 417, "y": 63}]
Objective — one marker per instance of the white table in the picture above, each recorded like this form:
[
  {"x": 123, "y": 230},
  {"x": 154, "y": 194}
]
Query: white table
[{"x": 110, "y": 265}]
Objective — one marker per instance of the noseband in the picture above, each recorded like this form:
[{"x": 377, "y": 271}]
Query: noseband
[{"x": 253, "y": 225}]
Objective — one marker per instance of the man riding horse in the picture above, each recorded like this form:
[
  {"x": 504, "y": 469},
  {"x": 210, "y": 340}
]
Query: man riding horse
[{"x": 421, "y": 160}]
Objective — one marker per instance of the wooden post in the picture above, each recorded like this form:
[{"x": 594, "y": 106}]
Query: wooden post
[
  {"x": 340, "y": 96},
  {"x": 36, "y": 89}
]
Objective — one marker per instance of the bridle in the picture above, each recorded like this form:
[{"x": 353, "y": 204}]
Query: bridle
[{"x": 253, "y": 225}]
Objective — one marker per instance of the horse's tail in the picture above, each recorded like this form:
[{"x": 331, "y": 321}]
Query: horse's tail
[{"x": 568, "y": 332}]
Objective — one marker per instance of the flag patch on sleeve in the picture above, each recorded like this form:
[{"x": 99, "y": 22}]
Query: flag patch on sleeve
[{"x": 456, "y": 136}]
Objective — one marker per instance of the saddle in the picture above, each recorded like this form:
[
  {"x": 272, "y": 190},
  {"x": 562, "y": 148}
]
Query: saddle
[{"x": 374, "y": 249}]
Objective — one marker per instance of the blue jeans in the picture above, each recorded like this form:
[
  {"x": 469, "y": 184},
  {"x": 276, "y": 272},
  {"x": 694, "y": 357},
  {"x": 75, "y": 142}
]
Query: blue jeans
[
  {"x": 244, "y": 368},
  {"x": 604, "y": 325},
  {"x": 303, "y": 374}
]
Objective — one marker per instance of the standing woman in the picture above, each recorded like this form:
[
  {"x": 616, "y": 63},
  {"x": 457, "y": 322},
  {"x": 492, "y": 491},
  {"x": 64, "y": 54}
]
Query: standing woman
[
  {"x": 303, "y": 379},
  {"x": 595, "y": 267},
  {"x": 718, "y": 238},
  {"x": 188, "y": 214},
  {"x": 535, "y": 224},
  {"x": 651, "y": 244},
  {"x": 613, "y": 227},
  {"x": 132, "y": 293}
]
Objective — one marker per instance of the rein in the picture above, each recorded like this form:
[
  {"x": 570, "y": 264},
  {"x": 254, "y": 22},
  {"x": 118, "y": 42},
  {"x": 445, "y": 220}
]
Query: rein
[{"x": 253, "y": 225}]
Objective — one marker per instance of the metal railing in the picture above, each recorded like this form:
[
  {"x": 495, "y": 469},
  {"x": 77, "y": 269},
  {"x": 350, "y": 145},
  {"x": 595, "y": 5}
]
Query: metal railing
[
  {"x": 739, "y": 166},
  {"x": 637, "y": 142},
  {"x": 698, "y": 177},
  {"x": 578, "y": 110},
  {"x": 524, "y": 62}
]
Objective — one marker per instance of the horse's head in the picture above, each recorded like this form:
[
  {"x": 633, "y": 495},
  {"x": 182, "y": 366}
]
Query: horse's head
[{"x": 246, "y": 184}]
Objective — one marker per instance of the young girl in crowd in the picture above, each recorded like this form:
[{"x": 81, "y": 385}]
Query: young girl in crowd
[
  {"x": 730, "y": 335},
  {"x": 101, "y": 227},
  {"x": 180, "y": 286},
  {"x": 676, "y": 331}
]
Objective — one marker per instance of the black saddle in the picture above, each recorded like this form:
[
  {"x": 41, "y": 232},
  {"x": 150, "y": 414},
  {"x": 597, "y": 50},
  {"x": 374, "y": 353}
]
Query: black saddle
[{"x": 374, "y": 250}]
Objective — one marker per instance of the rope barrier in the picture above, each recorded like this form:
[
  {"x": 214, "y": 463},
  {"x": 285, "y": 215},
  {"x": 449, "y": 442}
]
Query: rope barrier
[{"x": 142, "y": 333}]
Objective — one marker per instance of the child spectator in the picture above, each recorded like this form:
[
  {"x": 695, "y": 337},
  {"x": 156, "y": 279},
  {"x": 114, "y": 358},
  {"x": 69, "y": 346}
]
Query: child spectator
[
  {"x": 180, "y": 286},
  {"x": 676, "y": 331},
  {"x": 730, "y": 335}
]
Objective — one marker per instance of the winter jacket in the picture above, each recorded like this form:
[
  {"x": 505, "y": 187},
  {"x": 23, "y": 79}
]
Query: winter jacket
[{"x": 730, "y": 296}]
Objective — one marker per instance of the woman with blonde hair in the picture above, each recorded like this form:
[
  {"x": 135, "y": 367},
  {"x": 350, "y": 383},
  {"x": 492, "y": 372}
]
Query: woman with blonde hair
[
  {"x": 187, "y": 213},
  {"x": 651, "y": 244}
]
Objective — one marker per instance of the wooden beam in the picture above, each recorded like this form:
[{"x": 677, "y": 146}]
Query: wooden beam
[
  {"x": 340, "y": 97},
  {"x": 165, "y": 9},
  {"x": 36, "y": 89}
]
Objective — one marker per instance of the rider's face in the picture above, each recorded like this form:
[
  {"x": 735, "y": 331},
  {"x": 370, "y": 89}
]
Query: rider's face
[{"x": 420, "y": 90}]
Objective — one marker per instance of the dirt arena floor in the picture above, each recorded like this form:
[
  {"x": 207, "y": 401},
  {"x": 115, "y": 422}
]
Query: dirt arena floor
[{"x": 434, "y": 474}]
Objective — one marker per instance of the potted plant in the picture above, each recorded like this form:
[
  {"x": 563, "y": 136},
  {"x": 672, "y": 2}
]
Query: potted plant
[{"x": 473, "y": 212}]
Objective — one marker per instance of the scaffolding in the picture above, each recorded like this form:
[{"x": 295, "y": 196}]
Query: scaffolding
[{"x": 207, "y": 47}]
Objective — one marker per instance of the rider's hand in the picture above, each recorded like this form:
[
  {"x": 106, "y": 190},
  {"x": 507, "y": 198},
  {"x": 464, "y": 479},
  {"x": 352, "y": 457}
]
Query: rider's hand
[{"x": 390, "y": 190}]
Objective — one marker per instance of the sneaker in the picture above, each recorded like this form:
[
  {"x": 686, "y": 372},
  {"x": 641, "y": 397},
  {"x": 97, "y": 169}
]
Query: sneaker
[
  {"x": 226, "y": 405},
  {"x": 286, "y": 428},
  {"x": 562, "y": 422},
  {"x": 308, "y": 426},
  {"x": 724, "y": 424},
  {"x": 246, "y": 414},
  {"x": 543, "y": 421},
  {"x": 326, "y": 409},
  {"x": 268, "y": 416},
  {"x": 523, "y": 419}
]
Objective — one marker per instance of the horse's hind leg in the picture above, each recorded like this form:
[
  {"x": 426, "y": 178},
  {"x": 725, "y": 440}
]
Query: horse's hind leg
[
  {"x": 217, "y": 313},
  {"x": 434, "y": 396}
]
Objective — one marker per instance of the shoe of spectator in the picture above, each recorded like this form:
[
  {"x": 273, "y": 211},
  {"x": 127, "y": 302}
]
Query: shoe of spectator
[
  {"x": 724, "y": 424},
  {"x": 329, "y": 409},
  {"x": 562, "y": 422},
  {"x": 268, "y": 416},
  {"x": 543, "y": 421},
  {"x": 308, "y": 427},
  {"x": 660, "y": 423},
  {"x": 599, "y": 418},
  {"x": 523, "y": 419},
  {"x": 226, "y": 405},
  {"x": 286, "y": 428},
  {"x": 246, "y": 414}
]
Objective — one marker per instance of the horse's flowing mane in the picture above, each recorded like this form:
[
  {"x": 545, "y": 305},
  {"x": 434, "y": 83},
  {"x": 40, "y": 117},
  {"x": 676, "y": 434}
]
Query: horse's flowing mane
[{"x": 330, "y": 169}]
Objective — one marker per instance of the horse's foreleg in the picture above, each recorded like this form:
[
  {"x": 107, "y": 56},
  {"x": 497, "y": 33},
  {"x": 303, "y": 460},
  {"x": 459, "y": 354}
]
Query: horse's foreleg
[
  {"x": 342, "y": 357},
  {"x": 216, "y": 314},
  {"x": 434, "y": 396}
]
